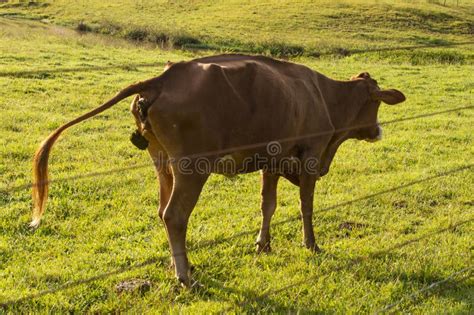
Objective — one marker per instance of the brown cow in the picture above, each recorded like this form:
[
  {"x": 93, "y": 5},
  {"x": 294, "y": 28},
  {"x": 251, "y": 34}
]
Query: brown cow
[{"x": 233, "y": 114}]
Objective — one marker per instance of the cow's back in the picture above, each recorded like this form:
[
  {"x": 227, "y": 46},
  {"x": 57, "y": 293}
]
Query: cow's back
[{"x": 232, "y": 101}]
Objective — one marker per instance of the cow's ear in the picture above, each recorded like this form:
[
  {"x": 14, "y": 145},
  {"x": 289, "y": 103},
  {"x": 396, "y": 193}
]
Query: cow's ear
[
  {"x": 362, "y": 75},
  {"x": 390, "y": 97}
]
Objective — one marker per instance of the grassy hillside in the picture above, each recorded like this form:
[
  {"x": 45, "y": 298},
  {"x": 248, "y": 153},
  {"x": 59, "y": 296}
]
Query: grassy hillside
[
  {"x": 101, "y": 230},
  {"x": 273, "y": 27}
]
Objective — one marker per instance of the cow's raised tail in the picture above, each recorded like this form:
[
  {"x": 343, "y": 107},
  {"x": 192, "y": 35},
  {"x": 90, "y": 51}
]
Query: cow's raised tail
[{"x": 40, "y": 160}]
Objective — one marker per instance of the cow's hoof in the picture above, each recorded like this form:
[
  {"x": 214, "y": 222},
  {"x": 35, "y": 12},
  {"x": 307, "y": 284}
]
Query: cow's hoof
[
  {"x": 184, "y": 282},
  {"x": 314, "y": 248},
  {"x": 263, "y": 248}
]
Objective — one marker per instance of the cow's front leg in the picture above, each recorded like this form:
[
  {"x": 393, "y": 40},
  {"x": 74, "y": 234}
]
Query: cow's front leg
[
  {"x": 269, "y": 195},
  {"x": 307, "y": 184},
  {"x": 185, "y": 194}
]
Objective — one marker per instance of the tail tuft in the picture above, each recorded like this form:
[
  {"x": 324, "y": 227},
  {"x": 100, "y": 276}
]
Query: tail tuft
[{"x": 40, "y": 175}]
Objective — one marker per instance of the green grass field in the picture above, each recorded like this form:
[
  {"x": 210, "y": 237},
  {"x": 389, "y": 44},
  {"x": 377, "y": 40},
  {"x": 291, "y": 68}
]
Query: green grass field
[{"x": 101, "y": 230}]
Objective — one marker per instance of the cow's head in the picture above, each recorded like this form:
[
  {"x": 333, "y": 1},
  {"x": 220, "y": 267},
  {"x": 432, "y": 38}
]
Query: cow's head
[{"x": 370, "y": 129}]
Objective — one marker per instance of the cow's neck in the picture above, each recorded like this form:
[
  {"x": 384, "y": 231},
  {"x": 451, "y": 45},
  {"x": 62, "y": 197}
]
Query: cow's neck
[
  {"x": 343, "y": 103},
  {"x": 343, "y": 100}
]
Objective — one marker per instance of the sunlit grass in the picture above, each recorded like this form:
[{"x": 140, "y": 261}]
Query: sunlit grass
[
  {"x": 279, "y": 28},
  {"x": 102, "y": 224}
]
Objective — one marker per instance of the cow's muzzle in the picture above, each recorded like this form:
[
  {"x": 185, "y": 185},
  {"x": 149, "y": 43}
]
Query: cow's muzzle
[{"x": 378, "y": 135}]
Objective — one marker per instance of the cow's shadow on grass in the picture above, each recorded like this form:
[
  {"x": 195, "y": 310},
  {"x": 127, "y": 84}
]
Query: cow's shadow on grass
[
  {"x": 213, "y": 288},
  {"x": 241, "y": 301},
  {"x": 250, "y": 301},
  {"x": 455, "y": 289}
]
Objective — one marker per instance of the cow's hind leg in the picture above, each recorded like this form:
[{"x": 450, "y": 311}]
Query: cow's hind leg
[
  {"x": 307, "y": 184},
  {"x": 184, "y": 196},
  {"x": 165, "y": 178},
  {"x": 269, "y": 196},
  {"x": 163, "y": 170}
]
